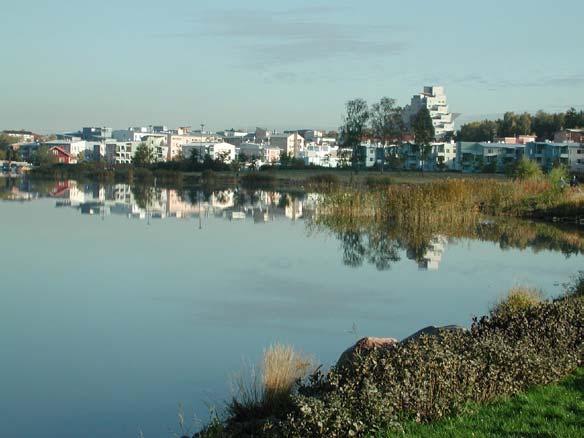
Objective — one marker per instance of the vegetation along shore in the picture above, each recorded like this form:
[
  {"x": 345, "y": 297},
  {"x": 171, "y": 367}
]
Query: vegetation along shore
[{"x": 437, "y": 382}]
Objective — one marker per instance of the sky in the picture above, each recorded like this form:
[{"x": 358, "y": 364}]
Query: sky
[{"x": 288, "y": 64}]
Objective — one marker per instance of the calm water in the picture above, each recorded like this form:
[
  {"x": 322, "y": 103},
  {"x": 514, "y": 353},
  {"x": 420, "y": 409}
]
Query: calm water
[{"x": 117, "y": 304}]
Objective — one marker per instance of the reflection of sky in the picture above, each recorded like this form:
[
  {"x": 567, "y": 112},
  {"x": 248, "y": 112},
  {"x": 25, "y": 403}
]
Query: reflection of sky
[{"x": 105, "y": 325}]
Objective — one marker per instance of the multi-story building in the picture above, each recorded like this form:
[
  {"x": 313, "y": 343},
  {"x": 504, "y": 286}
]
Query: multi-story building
[
  {"x": 440, "y": 156},
  {"x": 290, "y": 144},
  {"x": 434, "y": 99},
  {"x": 93, "y": 133},
  {"x": 549, "y": 154},
  {"x": 251, "y": 150},
  {"x": 320, "y": 155},
  {"x": 215, "y": 150},
  {"x": 487, "y": 157},
  {"x": 175, "y": 142},
  {"x": 121, "y": 152}
]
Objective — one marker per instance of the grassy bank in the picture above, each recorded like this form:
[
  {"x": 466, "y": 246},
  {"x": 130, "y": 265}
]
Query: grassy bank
[
  {"x": 454, "y": 199},
  {"x": 549, "y": 411},
  {"x": 430, "y": 379}
]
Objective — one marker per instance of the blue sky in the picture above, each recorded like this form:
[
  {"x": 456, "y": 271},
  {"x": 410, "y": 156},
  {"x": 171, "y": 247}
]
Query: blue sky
[{"x": 121, "y": 63}]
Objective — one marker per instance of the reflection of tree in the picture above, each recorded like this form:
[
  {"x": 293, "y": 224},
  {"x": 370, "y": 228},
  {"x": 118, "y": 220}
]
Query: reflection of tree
[
  {"x": 380, "y": 244},
  {"x": 353, "y": 249},
  {"x": 382, "y": 252},
  {"x": 144, "y": 195}
]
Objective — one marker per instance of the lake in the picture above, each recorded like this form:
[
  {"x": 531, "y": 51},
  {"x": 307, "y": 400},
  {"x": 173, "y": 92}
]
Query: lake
[{"x": 118, "y": 303}]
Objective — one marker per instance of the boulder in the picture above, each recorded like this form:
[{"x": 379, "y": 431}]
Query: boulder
[
  {"x": 362, "y": 346},
  {"x": 433, "y": 331}
]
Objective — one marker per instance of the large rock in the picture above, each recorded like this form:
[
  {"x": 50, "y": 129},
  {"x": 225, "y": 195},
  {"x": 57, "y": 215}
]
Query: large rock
[
  {"x": 362, "y": 347},
  {"x": 433, "y": 331}
]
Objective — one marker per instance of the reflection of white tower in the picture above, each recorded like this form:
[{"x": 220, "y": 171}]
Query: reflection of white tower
[{"x": 433, "y": 256}]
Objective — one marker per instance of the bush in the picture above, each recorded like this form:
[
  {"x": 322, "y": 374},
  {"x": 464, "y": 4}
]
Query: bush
[
  {"x": 576, "y": 288},
  {"x": 528, "y": 169},
  {"x": 518, "y": 299},
  {"x": 559, "y": 177},
  {"x": 436, "y": 376}
]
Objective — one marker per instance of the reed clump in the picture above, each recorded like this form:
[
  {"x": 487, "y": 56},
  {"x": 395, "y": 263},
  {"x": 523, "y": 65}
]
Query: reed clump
[
  {"x": 268, "y": 390},
  {"x": 518, "y": 298}
]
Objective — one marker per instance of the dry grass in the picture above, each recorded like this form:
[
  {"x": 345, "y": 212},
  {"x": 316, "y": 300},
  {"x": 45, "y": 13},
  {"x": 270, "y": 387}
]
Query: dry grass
[
  {"x": 519, "y": 298},
  {"x": 260, "y": 394}
]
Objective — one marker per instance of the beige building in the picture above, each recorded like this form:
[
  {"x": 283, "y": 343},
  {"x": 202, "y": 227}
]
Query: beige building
[{"x": 291, "y": 144}]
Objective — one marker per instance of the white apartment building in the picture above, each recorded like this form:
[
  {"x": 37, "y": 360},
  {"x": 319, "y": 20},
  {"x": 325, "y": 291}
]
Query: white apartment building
[
  {"x": 175, "y": 142},
  {"x": 320, "y": 155},
  {"x": 215, "y": 150},
  {"x": 290, "y": 144},
  {"x": 120, "y": 152},
  {"x": 434, "y": 99}
]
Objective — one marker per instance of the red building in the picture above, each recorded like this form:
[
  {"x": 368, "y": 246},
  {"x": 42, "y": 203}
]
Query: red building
[{"x": 62, "y": 156}]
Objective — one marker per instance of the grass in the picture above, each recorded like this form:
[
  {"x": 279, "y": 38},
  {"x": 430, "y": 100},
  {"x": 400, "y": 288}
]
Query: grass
[
  {"x": 518, "y": 298},
  {"x": 547, "y": 411},
  {"x": 270, "y": 389}
]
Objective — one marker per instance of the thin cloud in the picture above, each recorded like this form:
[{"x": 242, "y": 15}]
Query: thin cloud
[
  {"x": 566, "y": 80},
  {"x": 266, "y": 40}
]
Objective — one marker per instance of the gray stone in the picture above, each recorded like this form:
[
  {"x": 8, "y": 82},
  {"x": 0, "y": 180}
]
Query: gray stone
[{"x": 433, "y": 331}]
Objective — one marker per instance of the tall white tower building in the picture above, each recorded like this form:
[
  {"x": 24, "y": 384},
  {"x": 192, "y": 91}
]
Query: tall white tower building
[{"x": 434, "y": 99}]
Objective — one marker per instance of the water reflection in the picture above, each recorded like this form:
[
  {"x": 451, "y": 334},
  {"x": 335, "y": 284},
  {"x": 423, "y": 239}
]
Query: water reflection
[{"x": 380, "y": 245}]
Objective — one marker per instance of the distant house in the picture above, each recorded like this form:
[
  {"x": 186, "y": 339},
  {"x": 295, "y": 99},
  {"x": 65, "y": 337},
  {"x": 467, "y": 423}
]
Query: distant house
[{"x": 62, "y": 156}]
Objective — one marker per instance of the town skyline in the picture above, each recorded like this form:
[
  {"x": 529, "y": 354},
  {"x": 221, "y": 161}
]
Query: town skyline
[{"x": 279, "y": 65}]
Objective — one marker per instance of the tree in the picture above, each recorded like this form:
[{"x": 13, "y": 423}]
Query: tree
[
  {"x": 424, "y": 133},
  {"x": 6, "y": 141},
  {"x": 43, "y": 157},
  {"x": 285, "y": 159},
  {"x": 524, "y": 124},
  {"x": 573, "y": 119},
  {"x": 423, "y": 127},
  {"x": 143, "y": 156},
  {"x": 354, "y": 123},
  {"x": 386, "y": 121},
  {"x": 545, "y": 125},
  {"x": 485, "y": 130}
]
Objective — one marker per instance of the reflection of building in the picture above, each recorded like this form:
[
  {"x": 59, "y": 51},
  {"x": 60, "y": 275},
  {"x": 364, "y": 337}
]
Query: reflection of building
[{"x": 433, "y": 256}]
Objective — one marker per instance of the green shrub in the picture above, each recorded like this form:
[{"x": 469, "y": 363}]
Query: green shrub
[
  {"x": 528, "y": 169},
  {"x": 559, "y": 177}
]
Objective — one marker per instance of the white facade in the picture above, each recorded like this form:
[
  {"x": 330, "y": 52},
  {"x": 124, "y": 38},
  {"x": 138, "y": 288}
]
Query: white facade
[
  {"x": 291, "y": 144},
  {"x": 120, "y": 152},
  {"x": 320, "y": 155},
  {"x": 576, "y": 158},
  {"x": 215, "y": 150},
  {"x": 434, "y": 99}
]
